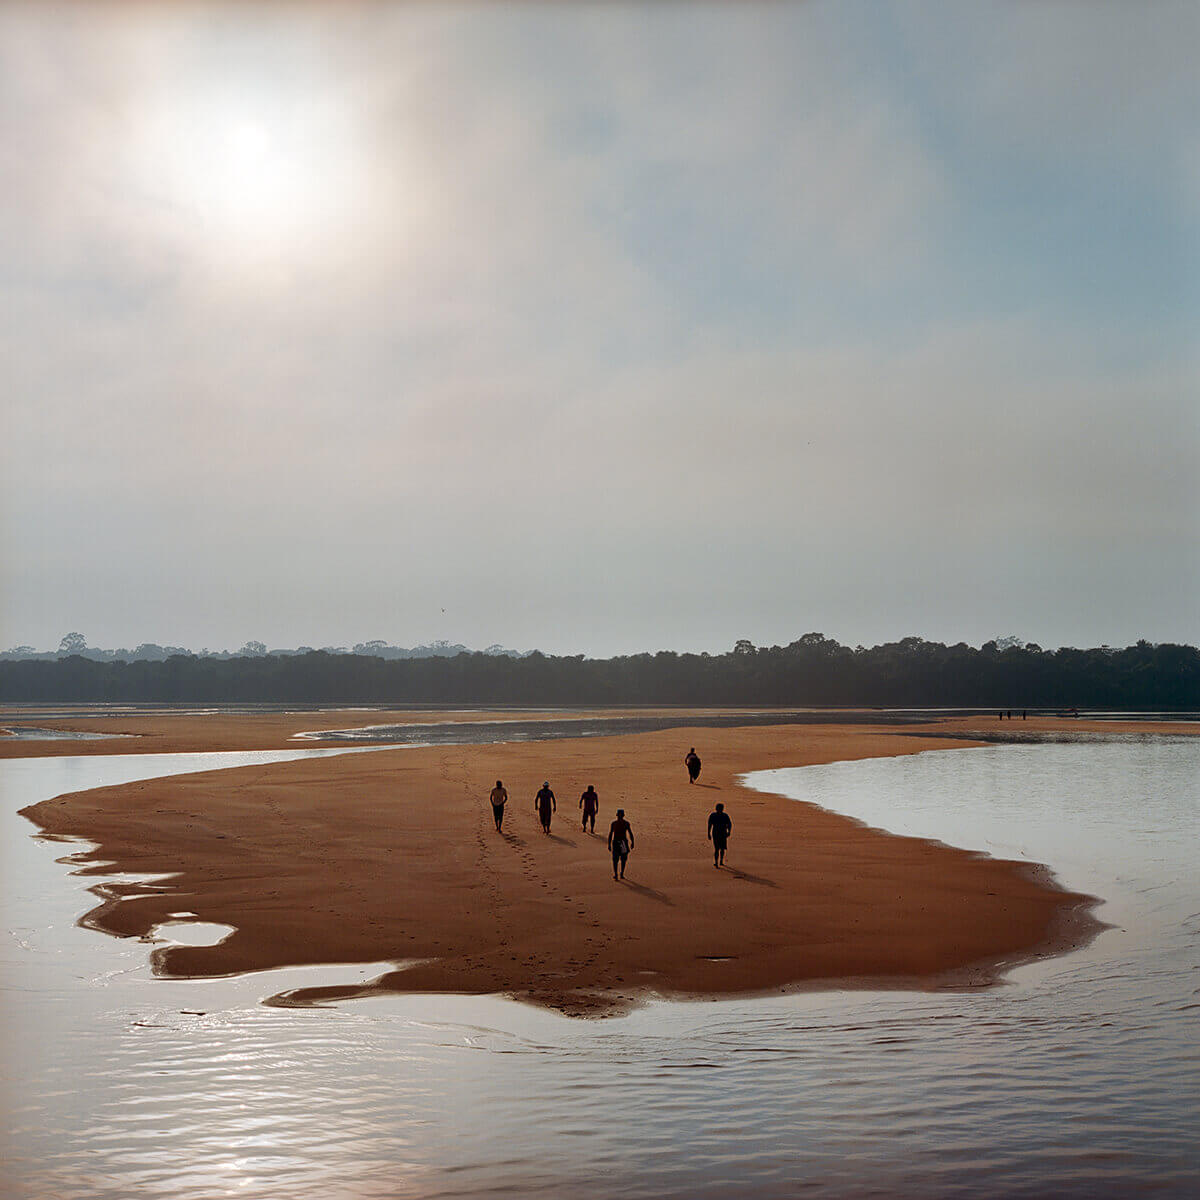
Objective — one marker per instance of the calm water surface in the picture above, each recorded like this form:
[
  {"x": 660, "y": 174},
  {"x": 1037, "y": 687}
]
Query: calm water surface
[{"x": 1078, "y": 1078}]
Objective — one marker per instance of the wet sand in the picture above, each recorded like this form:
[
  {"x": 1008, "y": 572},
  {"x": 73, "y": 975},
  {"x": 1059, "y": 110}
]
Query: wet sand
[
  {"x": 155, "y": 732},
  {"x": 393, "y": 856},
  {"x": 148, "y": 732}
]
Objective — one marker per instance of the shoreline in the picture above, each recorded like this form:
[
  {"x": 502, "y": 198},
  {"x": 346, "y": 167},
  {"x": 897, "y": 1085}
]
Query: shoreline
[{"x": 394, "y": 857}]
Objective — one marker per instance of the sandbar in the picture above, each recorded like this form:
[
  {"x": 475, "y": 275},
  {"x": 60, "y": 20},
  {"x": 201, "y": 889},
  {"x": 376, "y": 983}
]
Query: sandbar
[{"x": 393, "y": 856}]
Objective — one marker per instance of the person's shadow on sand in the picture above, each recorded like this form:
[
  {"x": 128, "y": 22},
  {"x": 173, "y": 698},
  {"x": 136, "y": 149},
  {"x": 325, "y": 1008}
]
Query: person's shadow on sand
[
  {"x": 512, "y": 839},
  {"x": 759, "y": 879},
  {"x": 643, "y": 890},
  {"x": 716, "y": 787},
  {"x": 562, "y": 841}
]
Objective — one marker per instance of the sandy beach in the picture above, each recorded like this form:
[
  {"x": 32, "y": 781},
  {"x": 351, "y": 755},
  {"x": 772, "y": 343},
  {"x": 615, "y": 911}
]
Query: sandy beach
[{"x": 393, "y": 856}]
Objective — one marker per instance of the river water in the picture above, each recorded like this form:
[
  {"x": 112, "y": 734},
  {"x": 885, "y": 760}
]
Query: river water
[{"x": 1079, "y": 1077}]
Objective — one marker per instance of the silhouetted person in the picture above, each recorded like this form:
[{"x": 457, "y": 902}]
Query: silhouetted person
[
  {"x": 692, "y": 761},
  {"x": 620, "y": 842},
  {"x": 545, "y": 804},
  {"x": 1002, "y": 714},
  {"x": 719, "y": 828},
  {"x": 1024, "y": 714},
  {"x": 590, "y": 803},
  {"x": 499, "y": 798}
]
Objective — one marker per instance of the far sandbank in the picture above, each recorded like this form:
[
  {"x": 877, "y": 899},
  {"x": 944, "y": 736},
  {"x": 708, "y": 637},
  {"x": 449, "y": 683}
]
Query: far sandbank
[{"x": 147, "y": 731}]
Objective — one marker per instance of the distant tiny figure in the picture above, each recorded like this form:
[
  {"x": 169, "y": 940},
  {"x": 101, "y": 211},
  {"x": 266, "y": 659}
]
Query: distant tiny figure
[
  {"x": 545, "y": 804},
  {"x": 590, "y": 803},
  {"x": 1002, "y": 714},
  {"x": 692, "y": 760},
  {"x": 620, "y": 842},
  {"x": 1024, "y": 714},
  {"x": 499, "y": 798},
  {"x": 719, "y": 828},
  {"x": 1010, "y": 714}
]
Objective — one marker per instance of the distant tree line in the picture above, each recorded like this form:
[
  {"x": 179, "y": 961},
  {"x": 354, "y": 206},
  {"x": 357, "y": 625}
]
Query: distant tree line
[
  {"x": 76, "y": 644},
  {"x": 814, "y": 670}
]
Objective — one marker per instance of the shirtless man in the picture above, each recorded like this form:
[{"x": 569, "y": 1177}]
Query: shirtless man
[
  {"x": 499, "y": 798},
  {"x": 620, "y": 842},
  {"x": 545, "y": 804},
  {"x": 692, "y": 762},
  {"x": 590, "y": 803},
  {"x": 719, "y": 828}
]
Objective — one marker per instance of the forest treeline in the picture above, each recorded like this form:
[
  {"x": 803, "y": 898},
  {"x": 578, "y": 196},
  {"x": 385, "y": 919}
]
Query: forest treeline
[
  {"x": 76, "y": 643},
  {"x": 814, "y": 670}
]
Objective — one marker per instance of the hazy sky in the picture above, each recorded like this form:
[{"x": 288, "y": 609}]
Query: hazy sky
[{"x": 599, "y": 328}]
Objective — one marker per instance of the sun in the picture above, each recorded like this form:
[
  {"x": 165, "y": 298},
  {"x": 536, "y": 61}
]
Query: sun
[
  {"x": 249, "y": 174},
  {"x": 248, "y": 141}
]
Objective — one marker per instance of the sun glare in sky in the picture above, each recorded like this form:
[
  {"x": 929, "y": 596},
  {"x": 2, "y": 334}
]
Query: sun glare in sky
[{"x": 250, "y": 175}]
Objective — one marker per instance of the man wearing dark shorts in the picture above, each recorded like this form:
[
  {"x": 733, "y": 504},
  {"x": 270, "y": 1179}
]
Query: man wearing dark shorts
[
  {"x": 692, "y": 761},
  {"x": 590, "y": 803},
  {"x": 719, "y": 828},
  {"x": 545, "y": 804},
  {"x": 620, "y": 842},
  {"x": 499, "y": 797}
]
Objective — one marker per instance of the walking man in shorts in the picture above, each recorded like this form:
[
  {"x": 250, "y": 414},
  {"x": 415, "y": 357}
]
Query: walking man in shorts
[
  {"x": 620, "y": 842},
  {"x": 590, "y": 803},
  {"x": 499, "y": 797},
  {"x": 545, "y": 804},
  {"x": 719, "y": 828}
]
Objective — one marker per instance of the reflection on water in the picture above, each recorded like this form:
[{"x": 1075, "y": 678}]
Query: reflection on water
[
  {"x": 1077, "y": 1079},
  {"x": 35, "y": 733},
  {"x": 517, "y": 729}
]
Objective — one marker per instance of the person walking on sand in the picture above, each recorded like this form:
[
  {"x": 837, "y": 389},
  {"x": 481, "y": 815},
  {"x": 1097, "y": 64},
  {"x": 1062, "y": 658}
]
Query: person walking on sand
[
  {"x": 692, "y": 761},
  {"x": 590, "y": 803},
  {"x": 545, "y": 804},
  {"x": 620, "y": 842},
  {"x": 499, "y": 798},
  {"x": 719, "y": 828}
]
